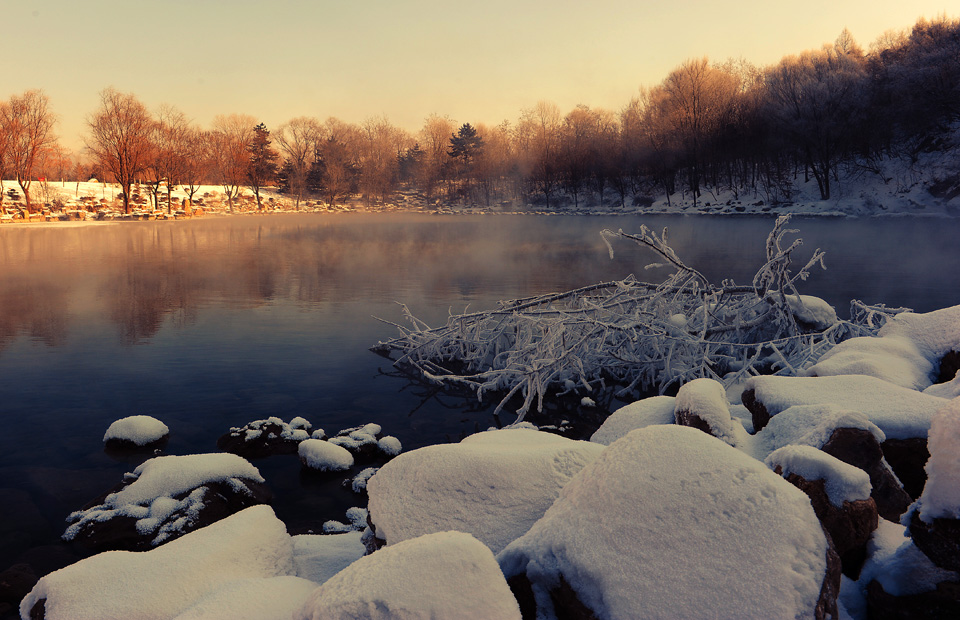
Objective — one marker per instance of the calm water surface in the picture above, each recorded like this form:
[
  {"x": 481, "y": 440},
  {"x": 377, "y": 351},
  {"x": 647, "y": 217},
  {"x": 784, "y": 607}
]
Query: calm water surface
[{"x": 210, "y": 324}]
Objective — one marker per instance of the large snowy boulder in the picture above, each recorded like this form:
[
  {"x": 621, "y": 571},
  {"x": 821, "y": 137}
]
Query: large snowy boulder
[
  {"x": 936, "y": 334},
  {"x": 442, "y": 576},
  {"x": 899, "y": 412},
  {"x": 262, "y": 438},
  {"x": 167, "y": 497},
  {"x": 839, "y": 494},
  {"x": 670, "y": 522},
  {"x": 894, "y": 359},
  {"x": 493, "y": 485},
  {"x": 702, "y": 403},
  {"x": 640, "y": 414},
  {"x": 168, "y": 580}
]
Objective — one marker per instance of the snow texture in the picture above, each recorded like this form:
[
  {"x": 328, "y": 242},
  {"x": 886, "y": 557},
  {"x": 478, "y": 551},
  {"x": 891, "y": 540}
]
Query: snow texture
[
  {"x": 842, "y": 482},
  {"x": 442, "y": 576},
  {"x": 324, "y": 455},
  {"x": 941, "y": 494},
  {"x": 948, "y": 390},
  {"x": 357, "y": 518},
  {"x": 670, "y": 522},
  {"x": 493, "y": 485},
  {"x": 901, "y": 568},
  {"x": 643, "y": 413},
  {"x": 934, "y": 333},
  {"x": 900, "y": 413},
  {"x": 707, "y": 399},
  {"x": 359, "y": 482},
  {"x": 165, "y": 476},
  {"x": 319, "y": 558},
  {"x": 276, "y": 598},
  {"x": 894, "y": 359},
  {"x": 138, "y": 429},
  {"x": 390, "y": 445},
  {"x": 168, "y": 580},
  {"x": 812, "y": 311},
  {"x": 809, "y": 425}
]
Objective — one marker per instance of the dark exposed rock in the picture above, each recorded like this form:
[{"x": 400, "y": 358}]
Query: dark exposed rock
[
  {"x": 523, "y": 591},
  {"x": 861, "y": 449},
  {"x": 949, "y": 365},
  {"x": 691, "y": 419},
  {"x": 907, "y": 458},
  {"x": 16, "y": 582},
  {"x": 939, "y": 540},
  {"x": 122, "y": 448},
  {"x": 566, "y": 604},
  {"x": 758, "y": 412},
  {"x": 849, "y": 526},
  {"x": 943, "y": 602},
  {"x": 830, "y": 590}
]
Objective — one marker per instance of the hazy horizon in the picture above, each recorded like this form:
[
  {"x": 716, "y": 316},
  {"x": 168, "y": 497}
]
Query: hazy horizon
[{"x": 402, "y": 60}]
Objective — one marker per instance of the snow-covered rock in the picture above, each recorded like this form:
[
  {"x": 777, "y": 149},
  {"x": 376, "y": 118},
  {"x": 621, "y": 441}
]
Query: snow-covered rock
[
  {"x": 899, "y": 412},
  {"x": 842, "y": 482},
  {"x": 136, "y": 430},
  {"x": 442, "y": 576},
  {"x": 168, "y": 580},
  {"x": 276, "y": 598},
  {"x": 934, "y": 333},
  {"x": 262, "y": 438},
  {"x": 810, "y": 425},
  {"x": 941, "y": 495},
  {"x": 493, "y": 485},
  {"x": 702, "y": 404},
  {"x": 166, "y": 497},
  {"x": 323, "y": 455},
  {"x": 640, "y": 414},
  {"x": 812, "y": 312},
  {"x": 669, "y": 522},
  {"x": 893, "y": 359}
]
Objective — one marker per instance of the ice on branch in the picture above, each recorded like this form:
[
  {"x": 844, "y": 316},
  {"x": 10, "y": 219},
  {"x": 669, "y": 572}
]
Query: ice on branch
[{"x": 636, "y": 335}]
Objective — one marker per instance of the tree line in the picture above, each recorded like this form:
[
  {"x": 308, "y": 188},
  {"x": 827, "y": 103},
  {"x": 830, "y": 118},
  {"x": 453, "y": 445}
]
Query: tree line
[{"x": 731, "y": 126}]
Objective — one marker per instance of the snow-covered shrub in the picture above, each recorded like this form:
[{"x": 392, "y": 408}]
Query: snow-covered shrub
[{"x": 636, "y": 334}]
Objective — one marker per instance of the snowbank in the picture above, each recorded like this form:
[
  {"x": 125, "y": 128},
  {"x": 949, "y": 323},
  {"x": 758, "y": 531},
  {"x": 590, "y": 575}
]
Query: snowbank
[
  {"x": 252, "y": 599},
  {"x": 894, "y": 359},
  {"x": 493, "y": 485},
  {"x": 643, "y": 413},
  {"x": 137, "y": 429},
  {"x": 899, "y": 412},
  {"x": 670, "y": 522},
  {"x": 319, "y": 558},
  {"x": 168, "y": 580},
  {"x": 442, "y": 576},
  {"x": 941, "y": 495}
]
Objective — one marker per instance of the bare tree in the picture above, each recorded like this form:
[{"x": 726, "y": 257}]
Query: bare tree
[
  {"x": 434, "y": 139},
  {"x": 27, "y": 123},
  {"x": 231, "y": 135},
  {"x": 298, "y": 139},
  {"x": 121, "y": 138},
  {"x": 172, "y": 151},
  {"x": 197, "y": 165}
]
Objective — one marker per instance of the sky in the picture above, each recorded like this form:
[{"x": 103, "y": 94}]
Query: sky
[{"x": 477, "y": 62}]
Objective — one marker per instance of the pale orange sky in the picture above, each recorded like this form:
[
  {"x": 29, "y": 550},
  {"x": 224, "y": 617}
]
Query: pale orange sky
[{"x": 477, "y": 62}]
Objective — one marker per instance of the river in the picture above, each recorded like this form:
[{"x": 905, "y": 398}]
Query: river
[{"x": 210, "y": 324}]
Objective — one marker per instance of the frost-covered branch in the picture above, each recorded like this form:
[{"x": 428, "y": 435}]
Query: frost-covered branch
[{"x": 634, "y": 335}]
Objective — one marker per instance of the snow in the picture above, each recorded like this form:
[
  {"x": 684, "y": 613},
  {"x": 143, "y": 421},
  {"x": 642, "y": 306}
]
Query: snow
[
  {"x": 669, "y": 522},
  {"x": 941, "y": 494},
  {"x": 640, "y": 414},
  {"x": 324, "y": 455},
  {"x": 813, "y": 311},
  {"x": 168, "y": 580},
  {"x": 934, "y": 333},
  {"x": 707, "y": 399},
  {"x": 900, "y": 413},
  {"x": 948, "y": 390},
  {"x": 252, "y": 599},
  {"x": 390, "y": 445},
  {"x": 442, "y": 576},
  {"x": 359, "y": 482},
  {"x": 894, "y": 359},
  {"x": 493, "y": 485},
  {"x": 809, "y": 425},
  {"x": 165, "y": 476},
  {"x": 318, "y": 558},
  {"x": 138, "y": 429},
  {"x": 357, "y": 518},
  {"x": 894, "y": 561},
  {"x": 842, "y": 482}
]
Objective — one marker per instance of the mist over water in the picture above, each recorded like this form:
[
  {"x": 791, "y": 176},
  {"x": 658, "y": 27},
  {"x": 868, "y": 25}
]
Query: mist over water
[{"x": 209, "y": 324}]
